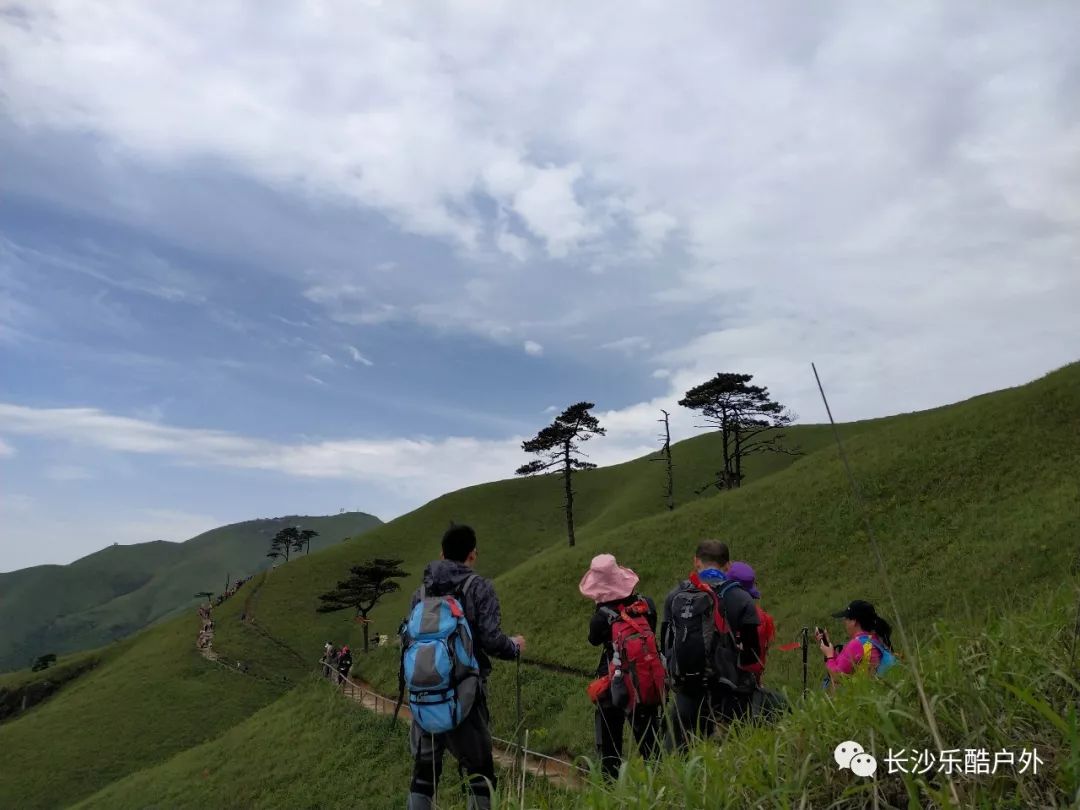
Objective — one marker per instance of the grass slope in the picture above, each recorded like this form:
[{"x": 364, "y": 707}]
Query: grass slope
[
  {"x": 516, "y": 520},
  {"x": 121, "y": 589},
  {"x": 972, "y": 505},
  {"x": 1004, "y": 689},
  {"x": 338, "y": 756},
  {"x": 1011, "y": 686},
  {"x": 20, "y": 691},
  {"x": 977, "y": 506},
  {"x": 149, "y": 699}
]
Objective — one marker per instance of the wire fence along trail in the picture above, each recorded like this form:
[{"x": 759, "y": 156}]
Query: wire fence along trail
[{"x": 508, "y": 754}]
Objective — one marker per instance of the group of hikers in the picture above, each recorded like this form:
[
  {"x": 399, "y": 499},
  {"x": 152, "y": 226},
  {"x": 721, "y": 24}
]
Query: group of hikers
[
  {"x": 206, "y": 626},
  {"x": 336, "y": 663},
  {"x": 709, "y": 653},
  {"x": 229, "y": 591}
]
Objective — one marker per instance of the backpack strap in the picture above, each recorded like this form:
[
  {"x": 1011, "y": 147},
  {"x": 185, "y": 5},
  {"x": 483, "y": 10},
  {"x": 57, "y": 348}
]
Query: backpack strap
[
  {"x": 402, "y": 631},
  {"x": 719, "y": 614},
  {"x": 463, "y": 589},
  {"x": 869, "y": 644},
  {"x": 467, "y": 583}
]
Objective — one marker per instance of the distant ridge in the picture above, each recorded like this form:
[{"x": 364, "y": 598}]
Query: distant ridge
[{"x": 119, "y": 589}]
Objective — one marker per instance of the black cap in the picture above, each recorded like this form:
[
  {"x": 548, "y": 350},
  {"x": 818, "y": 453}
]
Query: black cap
[{"x": 861, "y": 611}]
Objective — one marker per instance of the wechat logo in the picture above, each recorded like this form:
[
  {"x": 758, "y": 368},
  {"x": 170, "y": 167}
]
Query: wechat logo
[{"x": 851, "y": 755}]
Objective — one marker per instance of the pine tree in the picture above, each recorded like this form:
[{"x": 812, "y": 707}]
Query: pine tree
[
  {"x": 558, "y": 447},
  {"x": 748, "y": 419},
  {"x": 283, "y": 543},
  {"x": 369, "y": 582}
]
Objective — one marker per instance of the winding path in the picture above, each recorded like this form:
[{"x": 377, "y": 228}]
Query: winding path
[{"x": 508, "y": 755}]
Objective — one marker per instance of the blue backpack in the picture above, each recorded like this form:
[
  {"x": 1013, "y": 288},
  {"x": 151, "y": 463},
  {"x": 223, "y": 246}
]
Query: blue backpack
[
  {"x": 438, "y": 664},
  {"x": 887, "y": 658}
]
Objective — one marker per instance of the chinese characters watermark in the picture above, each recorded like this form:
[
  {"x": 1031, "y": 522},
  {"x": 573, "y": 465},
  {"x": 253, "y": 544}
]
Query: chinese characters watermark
[
  {"x": 963, "y": 762},
  {"x": 950, "y": 762}
]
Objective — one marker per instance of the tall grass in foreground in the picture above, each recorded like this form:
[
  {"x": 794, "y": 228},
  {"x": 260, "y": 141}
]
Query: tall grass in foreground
[{"x": 1014, "y": 687}]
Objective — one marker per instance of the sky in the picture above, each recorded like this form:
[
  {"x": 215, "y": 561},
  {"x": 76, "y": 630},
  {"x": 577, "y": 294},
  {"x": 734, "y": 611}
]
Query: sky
[{"x": 267, "y": 258}]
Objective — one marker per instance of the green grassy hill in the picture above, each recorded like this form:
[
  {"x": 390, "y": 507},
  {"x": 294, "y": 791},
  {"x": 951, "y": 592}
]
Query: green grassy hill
[
  {"x": 973, "y": 504},
  {"x": 1002, "y": 687},
  {"x": 977, "y": 509},
  {"x": 338, "y": 757},
  {"x": 150, "y": 698},
  {"x": 516, "y": 520},
  {"x": 118, "y": 590}
]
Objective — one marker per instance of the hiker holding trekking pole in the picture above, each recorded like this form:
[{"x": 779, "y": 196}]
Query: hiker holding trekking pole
[
  {"x": 869, "y": 645},
  {"x": 454, "y": 625},
  {"x": 630, "y": 675}
]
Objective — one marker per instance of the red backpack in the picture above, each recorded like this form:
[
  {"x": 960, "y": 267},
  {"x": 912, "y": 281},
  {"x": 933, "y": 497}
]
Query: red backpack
[
  {"x": 766, "y": 633},
  {"x": 633, "y": 644}
]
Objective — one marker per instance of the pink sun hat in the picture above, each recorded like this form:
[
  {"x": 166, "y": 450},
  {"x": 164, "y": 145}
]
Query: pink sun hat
[{"x": 606, "y": 580}]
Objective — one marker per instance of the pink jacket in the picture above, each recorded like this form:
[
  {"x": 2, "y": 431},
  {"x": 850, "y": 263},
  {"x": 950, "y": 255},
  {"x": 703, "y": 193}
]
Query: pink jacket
[{"x": 846, "y": 662}]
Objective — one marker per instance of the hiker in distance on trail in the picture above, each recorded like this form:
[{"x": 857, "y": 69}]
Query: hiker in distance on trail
[
  {"x": 711, "y": 646},
  {"x": 454, "y": 625},
  {"x": 630, "y": 675},
  {"x": 344, "y": 664},
  {"x": 869, "y": 645}
]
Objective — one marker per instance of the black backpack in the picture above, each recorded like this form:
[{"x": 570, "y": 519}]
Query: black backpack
[{"x": 700, "y": 646}]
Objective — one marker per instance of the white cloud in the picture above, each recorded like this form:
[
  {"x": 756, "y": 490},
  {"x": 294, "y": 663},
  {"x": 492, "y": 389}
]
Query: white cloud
[
  {"x": 415, "y": 469},
  {"x": 653, "y": 229},
  {"x": 549, "y": 207},
  {"x": 512, "y": 245},
  {"x": 68, "y": 472},
  {"x": 629, "y": 345},
  {"x": 357, "y": 356},
  {"x": 335, "y": 293},
  {"x": 6, "y": 450},
  {"x": 533, "y": 349},
  {"x": 868, "y": 186},
  {"x": 314, "y": 379}
]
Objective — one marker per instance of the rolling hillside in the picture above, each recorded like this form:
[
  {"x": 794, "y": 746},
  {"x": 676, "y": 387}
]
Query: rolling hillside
[
  {"x": 976, "y": 506},
  {"x": 151, "y": 698},
  {"x": 972, "y": 503},
  {"x": 118, "y": 590}
]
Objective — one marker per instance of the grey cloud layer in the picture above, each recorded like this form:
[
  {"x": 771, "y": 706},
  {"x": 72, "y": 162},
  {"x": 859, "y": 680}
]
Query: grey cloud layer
[{"x": 887, "y": 189}]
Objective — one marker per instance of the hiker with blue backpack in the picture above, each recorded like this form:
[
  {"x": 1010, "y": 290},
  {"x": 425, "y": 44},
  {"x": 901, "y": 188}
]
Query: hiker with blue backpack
[
  {"x": 711, "y": 646},
  {"x": 630, "y": 675},
  {"x": 454, "y": 625},
  {"x": 869, "y": 648}
]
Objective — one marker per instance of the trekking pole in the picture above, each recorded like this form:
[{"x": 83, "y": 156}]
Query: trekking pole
[
  {"x": 805, "y": 645},
  {"x": 517, "y": 690},
  {"x": 920, "y": 687}
]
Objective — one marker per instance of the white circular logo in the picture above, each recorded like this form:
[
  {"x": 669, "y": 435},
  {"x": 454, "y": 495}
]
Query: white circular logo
[
  {"x": 863, "y": 765},
  {"x": 845, "y": 752}
]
